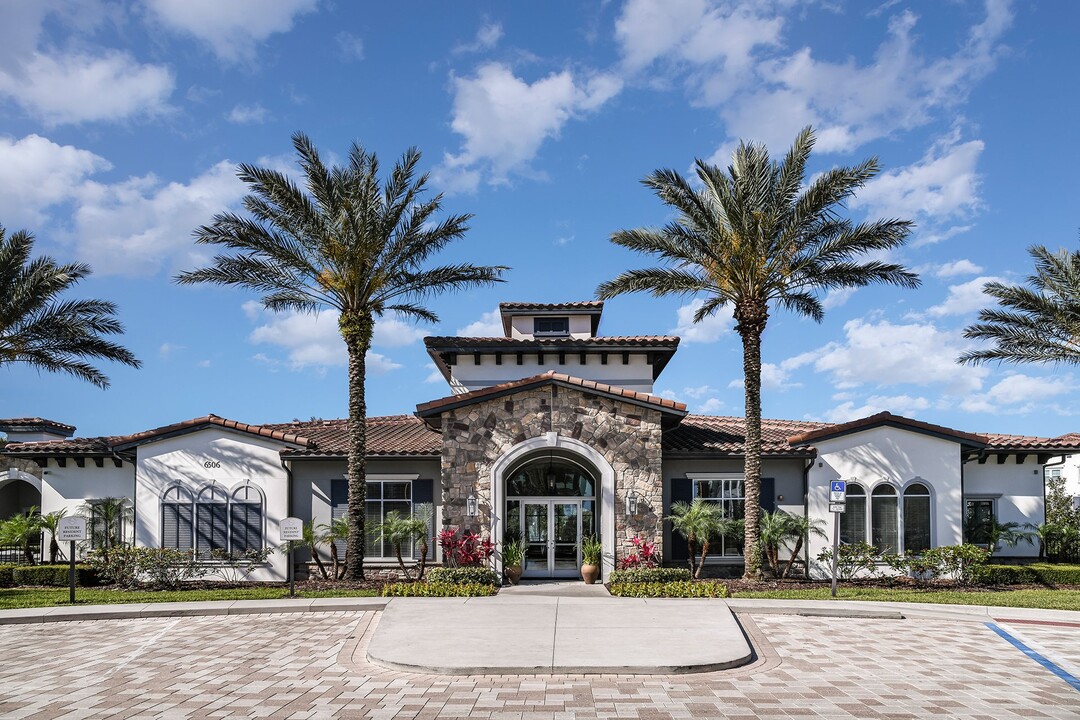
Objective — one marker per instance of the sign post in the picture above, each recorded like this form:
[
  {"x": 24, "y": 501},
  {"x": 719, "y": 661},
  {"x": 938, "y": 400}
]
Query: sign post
[
  {"x": 837, "y": 505},
  {"x": 72, "y": 529},
  {"x": 292, "y": 529}
]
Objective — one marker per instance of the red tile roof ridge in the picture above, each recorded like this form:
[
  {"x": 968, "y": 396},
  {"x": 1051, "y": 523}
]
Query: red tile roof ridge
[
  {"x": 880, "y": 419},
  {"x": 33, "y": 421},
  {"x": 503, "y": 339},
  {"x": 212, "y": 419},
  {"x": 582, "y": 304}
]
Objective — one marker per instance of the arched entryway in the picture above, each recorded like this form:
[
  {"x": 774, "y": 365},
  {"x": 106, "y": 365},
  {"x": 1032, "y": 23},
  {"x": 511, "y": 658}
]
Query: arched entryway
[
  {"x": 19, "y": 493},
  {"x": 577, "y": 468},
  {"x": 551, "y": 505}
]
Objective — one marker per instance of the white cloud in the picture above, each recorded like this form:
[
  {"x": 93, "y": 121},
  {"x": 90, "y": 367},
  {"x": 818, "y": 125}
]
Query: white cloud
[
  {"x": 698, "y": 392},
  {"x": 883, "y": 354},
  {"x": 391, "y": 331},
  {"x": 778, "y": 376},
  {"x": 309, "y": 340},
  {"x": 504, "y": 120},
  {"x": 838, "y": 297},
  {"x": 489, "y": 325},
  {"x": 144, "y": 225},
  {"x": 708, "y": 330},
  {"x": 957, "y": 267},
  {"x": 1021, "y": 393},
  {"x": 712, "y": 406},
  {"x": 248, "y": 114},
  {"x": 67, "y": 88},
  {"x": 965, "y": 298},
  {"x": 941, "y": 186},
  {"x": 898, "y": 404},
  {"x": 168, "y": 349},
  {"x": 433, "y": 376},
  {"x": 487, "y": 37},
  {"x": 231, "y": 29},
  {"x": 36, "y": 173},
  {"x": 350, "y": 47}
]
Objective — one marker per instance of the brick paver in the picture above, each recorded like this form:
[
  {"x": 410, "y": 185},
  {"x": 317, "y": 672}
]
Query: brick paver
[{"x": 311, "y": 666}]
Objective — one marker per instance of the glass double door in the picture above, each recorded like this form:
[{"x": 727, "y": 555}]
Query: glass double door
[{"x": 551, "y": 530}]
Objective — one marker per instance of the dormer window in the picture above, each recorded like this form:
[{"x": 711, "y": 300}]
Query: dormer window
[{"x": 551, "y": 326}]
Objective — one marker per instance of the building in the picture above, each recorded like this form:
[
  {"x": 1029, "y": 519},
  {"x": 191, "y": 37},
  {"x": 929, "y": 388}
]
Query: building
[{"x": 551, "y": 431}]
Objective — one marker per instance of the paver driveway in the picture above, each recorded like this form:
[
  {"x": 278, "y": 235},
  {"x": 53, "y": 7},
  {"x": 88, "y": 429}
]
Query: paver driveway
[{"x": 310, "y": 666}]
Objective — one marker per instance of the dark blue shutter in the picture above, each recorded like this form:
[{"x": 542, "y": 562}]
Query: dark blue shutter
[
  {"x": 246, "y": 526},
  {"x": 423, "y": 494},
  {"x": 339, "y": 507},
  {"x": 768, "y": 494},
  {"x": 682, "y": 490},
  {"x": 170, "y": 525}
]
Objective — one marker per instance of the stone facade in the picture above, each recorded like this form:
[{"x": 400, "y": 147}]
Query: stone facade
[{"x": 627, "y": 435}]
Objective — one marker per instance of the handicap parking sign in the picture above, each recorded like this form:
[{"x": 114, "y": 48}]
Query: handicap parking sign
[{"x": 838, "y": 491}]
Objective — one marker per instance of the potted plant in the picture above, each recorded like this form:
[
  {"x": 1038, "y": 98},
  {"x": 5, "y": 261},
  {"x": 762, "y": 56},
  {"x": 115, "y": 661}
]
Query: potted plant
[
  {"x": 591, "y": 552},
  {"x": 513, "y": 556}
]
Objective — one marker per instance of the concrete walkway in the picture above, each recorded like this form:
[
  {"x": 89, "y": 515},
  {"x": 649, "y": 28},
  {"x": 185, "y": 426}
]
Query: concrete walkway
[{"x": 523, "y": 633}]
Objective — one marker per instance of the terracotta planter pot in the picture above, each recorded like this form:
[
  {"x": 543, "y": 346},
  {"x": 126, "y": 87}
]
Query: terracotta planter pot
[
  {"x": 589, "y": 573},
  {"x": 513, "y": 574}
]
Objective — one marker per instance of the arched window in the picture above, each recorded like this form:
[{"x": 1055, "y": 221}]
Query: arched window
[
  {"x": 916, "y": 518},
  {"x": 884, "y": 520},
  {"x": 853, "y": 521},
  {"x": 246, "y": 519},
  {"x": 211, "y": 520},
  {"x": 177, "y": 519}
]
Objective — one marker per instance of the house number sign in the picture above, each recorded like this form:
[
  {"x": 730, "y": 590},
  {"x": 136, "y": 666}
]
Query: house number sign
[{"x": 212, "y": 465}]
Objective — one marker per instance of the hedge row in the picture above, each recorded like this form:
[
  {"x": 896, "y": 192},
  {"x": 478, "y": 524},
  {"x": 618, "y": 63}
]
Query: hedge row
[
  {"x": 681, "y": 589},
  {"x": 437, "y": 589},
  {"x": 1035, "y": 574},
  {"x": 12, "y": 575},
  {"x": 463, "y": 575},
  {"x": 649, "y": 575}
]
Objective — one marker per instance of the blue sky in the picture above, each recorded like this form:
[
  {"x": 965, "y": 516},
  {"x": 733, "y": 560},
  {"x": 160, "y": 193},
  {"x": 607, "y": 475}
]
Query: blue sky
[{"x": 123, "y": 122}]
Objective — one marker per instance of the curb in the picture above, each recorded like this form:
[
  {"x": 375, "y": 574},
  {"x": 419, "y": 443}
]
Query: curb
[
  {"x": 189, "y": 609},
  {"x": 869, "y": 609}
]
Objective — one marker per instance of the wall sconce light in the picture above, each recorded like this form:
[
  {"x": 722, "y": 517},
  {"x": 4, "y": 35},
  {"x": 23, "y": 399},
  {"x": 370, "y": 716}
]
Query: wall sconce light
[
  {"x": 631, "y": 503},
  {"x": 471, "y": 505},
  {"x": 780, "y": 498}
]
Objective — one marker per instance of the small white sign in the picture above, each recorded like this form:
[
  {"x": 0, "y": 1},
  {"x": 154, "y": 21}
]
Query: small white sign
[
  {"x": 71, "y": 528},
  {"x": 838, "y": 491},
  {"x": 837, "y": 507},
  {"x": 292, "y": 529}
]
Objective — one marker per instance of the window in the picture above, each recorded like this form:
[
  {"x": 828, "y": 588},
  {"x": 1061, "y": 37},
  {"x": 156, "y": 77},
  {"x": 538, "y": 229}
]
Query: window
[
  {"x": 211, "y": 521},
  {"x": 177, "y": 519},
  {"x": 980, "y": 521},
  {"x": 384, "y": 497},
  {"x": 246, "y": 519},
  {"x": 853, "y": 521},
  {"x": 916, "y": 518},
  {"x": 108, "y": 521},
  {"x": 728, "y": 494},
  {"x": 884, "y": 522},
  {"x": 551, "y": 326}
]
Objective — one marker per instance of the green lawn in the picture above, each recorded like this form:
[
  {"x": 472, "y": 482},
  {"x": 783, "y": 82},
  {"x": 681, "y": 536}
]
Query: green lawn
[
  {"x": 1032, "y": 598},
  {"x": 12, "y": 598}
]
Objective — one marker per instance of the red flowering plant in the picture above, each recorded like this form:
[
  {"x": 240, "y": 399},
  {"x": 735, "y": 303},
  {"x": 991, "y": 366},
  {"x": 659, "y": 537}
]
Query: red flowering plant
[
  {"x": 466, "y": 550},
  {"x": 644, "y": 555}
]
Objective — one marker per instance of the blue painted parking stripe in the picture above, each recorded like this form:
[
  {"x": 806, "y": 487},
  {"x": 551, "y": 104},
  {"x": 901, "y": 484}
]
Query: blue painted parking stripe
[{"x": 1042, "y": 660}]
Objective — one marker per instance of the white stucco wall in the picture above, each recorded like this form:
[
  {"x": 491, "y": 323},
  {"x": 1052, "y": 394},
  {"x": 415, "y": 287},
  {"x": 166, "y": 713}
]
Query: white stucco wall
[
  {"x": 70, "y": 487},
  {"x": 637, "y": 375},
  {"x": 521, "y": 326},
  {"x": 1069, "y": 465},
  {"x": 895, "y": 456},
  {"x": 239, "y": 458},
  {"x": 1017, "y": 490}
]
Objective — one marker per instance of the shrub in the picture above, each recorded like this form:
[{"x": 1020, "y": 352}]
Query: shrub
[
  {"x": 167, "y": 568},
  {"x": 959, "y": 562},
  {"x": 54, "y": 575},
  {"x": 644, "y": 555},
  {"x": 680, "y": 589},
  {"x": 121, "y": 566},
  {"x": 1039, "y": 573},
  {"x": 437, "y": 589},
  {"x": 235, "y": 566},
  {"x": 851, "y": 559},
  {"x": 7, "y": 578},
  {"x": 649, "y": 575},
  {"x": 463, "y": 576},
  {"x": 467, "y": 550}
]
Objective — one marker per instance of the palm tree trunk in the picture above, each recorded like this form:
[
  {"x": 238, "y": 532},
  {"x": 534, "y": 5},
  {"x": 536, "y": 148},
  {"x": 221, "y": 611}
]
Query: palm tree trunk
[
  {"x": 791, "y": 560},
  {"x": 334, "y": 560},
  {"x": 704, "y": 552},
  {"x": 693, "y": 556},
  {"x": 423, "y": 559},
  {"x": 356, "y": 329},
  {"x": 400, "y": 561},
  {"x": 751, "y": 317},
  {"x": 318, "y": 560}
]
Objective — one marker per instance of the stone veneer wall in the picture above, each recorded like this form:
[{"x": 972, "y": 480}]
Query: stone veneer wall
[{"x": 628, "y": 436}]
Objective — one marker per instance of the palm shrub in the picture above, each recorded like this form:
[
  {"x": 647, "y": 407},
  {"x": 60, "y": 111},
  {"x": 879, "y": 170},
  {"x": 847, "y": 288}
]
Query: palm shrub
[
  {"x": 800, "y": 528},
  {"x": 107, "y": 518},
  {"x": 1037, "y": 323},
  {"x": 699, "y": 522},
  {"x": 758, "y": 236},
  {"x": 398, "y": 529},
  {"x": 993, "y": 534},
  {"x": 592, "y": 550},
  {"x": 51, "y": 522},
  {"x": 345, "y": 242},
  {"x": 337, "y": 529},
  {"x": 39, "y": 328},
  {"x": 21, "y": 530},
  {"x": 313, "y": 538}
]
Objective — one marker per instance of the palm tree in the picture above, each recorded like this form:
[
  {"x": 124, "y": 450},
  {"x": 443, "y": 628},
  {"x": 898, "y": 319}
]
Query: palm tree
[
  {"x": 346, "y": 243},
  {"x": 993, "y": 534},
  {"x": 313, "y": 538},
  {"x": 754, "y": 237},
  {"x": 51, "y": 522},
  {"x": 800, "y": 528},
  {"x": 699, "y": 522},
  {"x": 107, "y": 518},
  {"x": 337, "y": 529},
  {"x": 398, "y": 529},
  {"x": 774, "y": 529},
  {"x": 21, "y": 530},
  {"x": 1035, "y": 324},
  {"x": 45, "y": 332}
]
